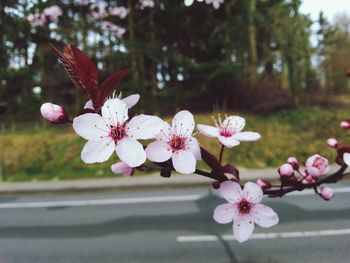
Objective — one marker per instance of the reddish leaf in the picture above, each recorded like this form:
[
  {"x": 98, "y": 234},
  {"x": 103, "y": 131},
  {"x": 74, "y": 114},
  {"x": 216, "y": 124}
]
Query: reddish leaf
[
  {"x": 211, "y": 161},
  {"x": 110, "y": 83},
  {"x": 229, "y": 169}
]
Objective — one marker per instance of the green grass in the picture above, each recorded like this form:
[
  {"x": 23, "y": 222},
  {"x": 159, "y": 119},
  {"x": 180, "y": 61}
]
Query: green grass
[{"x": 54, "y": 153}]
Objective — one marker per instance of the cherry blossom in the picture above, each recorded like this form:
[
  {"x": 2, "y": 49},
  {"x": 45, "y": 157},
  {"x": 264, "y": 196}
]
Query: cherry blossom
[
  {"x": 228, "y": 131},
  {"x": 146, "y": 3},
  {"x": 119, "y": 11},
  {"x": 244, "y": 209},
  {"x": 316, "y": 165},
  {"x": 36, "y": 20},
  {"x": 113, "y": 29},
  {"x": 286, "y": 170},
  {"x": 327, "y": 193},
  {"x": 130, "y": 101},
  {"x": 293, "y": 161},
  {"x": 332, "y": 142},
  {"x": 216, "y": 3},
  {"x": 345, "y": 124},
  {"x": 177, "y": 142},
  {"x": 113, "y": 132},
  {"x": 123, "y": 169},
  {"x": 98, "y": 10},
  {"x": 53, "y": 113},
  {"x": 264, "y": 184},
  {"x": 53, "y": 12}
]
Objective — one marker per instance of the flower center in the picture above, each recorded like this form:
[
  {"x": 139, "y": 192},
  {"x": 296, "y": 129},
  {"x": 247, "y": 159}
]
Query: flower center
[
  {"x": 226, "y": 131},
  {"x": 177, "y": 143},
  {"x": 318, "y": 163},
  {"x": 244, "y": 207},
  {"x": 118, "y": 132}
]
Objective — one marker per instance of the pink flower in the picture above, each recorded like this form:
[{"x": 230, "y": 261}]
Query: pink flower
[
  {"x": 122, "y": 168},
  {"x": 36, "y": 20},
  {"x": 98, "y": 10},
  {"x": 113, "y": 132},
  {"x": 53, "y": 113},
  {"x": 229, "y": 131},
  {"x": 146, "y": 3},
  {"x": 264, "y": 184},
  {"x": 130, "y": 101},
  {"x": 216, "y": 3},
  {"x": 316, "y": 165},
  {"x": 244, "y": 209},
  {"x": 293, "y": 161},
  {"x": 113, "y": 29},
  {"x": 332, "y": 142},
  {"x": 53, "y": 12},
  {"x": 327, "y": 193},
  {"x": 119, "y": 11},
  {"x": 286, "y": 170},
  {"x": 345, "y": 124},
  {"x": 176, "y": 142}
]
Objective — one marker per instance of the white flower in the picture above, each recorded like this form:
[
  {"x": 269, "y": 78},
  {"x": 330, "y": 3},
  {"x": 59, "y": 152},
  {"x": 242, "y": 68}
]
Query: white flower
[
  {"x": 53, "y": 12},
  {"x": 111, "y": 132},
  {"x": 176, "y": 142},
  {"x": 130, "y": 101},
  {"x": 229, "y": 131},
  {"x": 119, "y": 11},
  {"x": 216, "y": 3},
  {"x": 122, "y": 168},
  {"x": 244, "y": 209}
]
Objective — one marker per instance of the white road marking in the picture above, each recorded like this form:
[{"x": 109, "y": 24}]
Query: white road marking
[
  {"x": 137, "y": 200},
  {"x": 211, "y": 238}
]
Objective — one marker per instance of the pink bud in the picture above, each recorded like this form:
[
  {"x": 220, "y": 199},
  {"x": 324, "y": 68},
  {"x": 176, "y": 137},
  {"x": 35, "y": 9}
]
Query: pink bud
[
  {"x": 316, "y": 165},
  {"x": 53, "y": 113},
  {"x": 216, "y": 184},
  {"x": 332, "y": 142},
  {"x": 264, "y": 184},
  {"x": 122, "y": 168},
  {"x": 327, "y": 193},
  {"x": 345, "y": 124},
  {"x": 293, "y": 161},
  {"x": 286, "y": 170}
]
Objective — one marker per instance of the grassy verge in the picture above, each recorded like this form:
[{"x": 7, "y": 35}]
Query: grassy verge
[{"x": 55, "y": 153}]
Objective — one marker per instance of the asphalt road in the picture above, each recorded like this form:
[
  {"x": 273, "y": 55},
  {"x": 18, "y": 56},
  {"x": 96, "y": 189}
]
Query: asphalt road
[{"x": 167, "y": 225}]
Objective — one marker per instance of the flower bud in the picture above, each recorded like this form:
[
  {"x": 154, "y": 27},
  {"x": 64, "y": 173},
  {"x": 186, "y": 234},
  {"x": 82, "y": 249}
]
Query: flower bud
[
  {"x": 264, "y": 184},
  {"x": 327, "y": 193},
  {"x": 216, "y": 184},
  {"x": 332, "y": 142},
  {"x": 53, "y": 113},
  {"x": 122, "y": 168},
  {"x": 316, "y": 165},
  {"x": 345, "y": 124},
  {"x": 286, "y": 170},
  {"x": 293, "y": 161}
]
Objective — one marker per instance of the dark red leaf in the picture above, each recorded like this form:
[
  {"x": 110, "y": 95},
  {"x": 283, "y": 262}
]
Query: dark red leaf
[
  {"x": 229, "y": 169},
  {"x": 110, "y": 83},
  {"x": 211, "y": 161}
]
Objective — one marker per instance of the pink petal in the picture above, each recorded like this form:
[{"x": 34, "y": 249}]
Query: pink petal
[
  {"x": 236, "y": 123},
  {"x": 264, "y": 216},
  {"x": 184, "y": 162},
  {"x": 228, "y": 141},
  {"x": 98, "y": 150},
  {"x": 231, "y": 191},
  {"x": 90, "y": 126},
  {"x": 224, "y": 213},
  {"x": 252, "y": 193},
  {"x": 165, "y": 133},
  {"x": 183, "y": 123},
  {"x": 131, "y": 152},
  {"x": 144, "y": 127},
  {"x": 346, "y": 158},
  {"x": 89, "y": 105},
  {"x": 209, "y": 131},
  {"x": 131, "y": 100},
  {"x": 122, "y": 168},
  {"x": 247, "y": 136},
  {"x": 243, "y": 227},
  {"x": 195, "y": 148},
  {"x": 114, "y": 111},
  {"x": 158, "y": 151}
]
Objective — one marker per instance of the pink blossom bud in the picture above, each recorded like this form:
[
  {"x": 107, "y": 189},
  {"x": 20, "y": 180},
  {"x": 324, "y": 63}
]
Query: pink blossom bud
[
  {"x": 264, "y": 184},
  {"x": 293, "y": 161},
  {"x": 332, "y": 142},
  {"x": 327, "y": 193},
  {"x": 316, "y": 165},
  {"x": 53, "y": 113},
  {"x": 216, "y": 184},
  {"x": 286, "y": 170},
  {"x": 345, "y": 124},
  {"x": 122, "y": 168}
]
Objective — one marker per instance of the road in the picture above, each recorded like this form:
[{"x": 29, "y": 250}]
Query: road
[{"x": 167, "y": 225}]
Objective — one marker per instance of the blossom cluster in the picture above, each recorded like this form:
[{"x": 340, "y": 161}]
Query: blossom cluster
[
  {"x": 215, "y": 3},
  {"x": 48, "y": 15}
]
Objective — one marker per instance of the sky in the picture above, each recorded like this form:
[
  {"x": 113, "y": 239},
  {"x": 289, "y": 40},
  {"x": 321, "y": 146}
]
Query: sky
[{"x": 329, "y": 7}]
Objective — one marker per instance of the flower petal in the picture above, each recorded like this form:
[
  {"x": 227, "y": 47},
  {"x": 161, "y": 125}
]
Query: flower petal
[
  {"x": 183, "y": 123},
  {"x": 122, "y": 168},
  {"x": 194, "y": 147},
  {"x": 231, "y": 191},
  {"x": 184, "y": 161},
  {"x": 264, "y": 216},
  {"x": 90, "y": 126},
  {"x": 98, "y": 150},
  {"x": 114, "y": 111},
  {"x": 224, "y": 213},
  {"x": 243, "y": 227},
  {"x": 346, "y": 158},
  {"x": 247, "y": 136},
  {"x": 209, "y": 131},
  {"x": 235, "y": 123},
  {"x": 144, "y": 127},
  {"x": 131, "y": 152},
  {"x": 252, "y": 192},
  {"x": 131, "y": 100},
  {"x": 165, "y": 133},
  {"x": 89, "y": 105},
  {"x": 158, "y": 151},
  {"x": 228, "y": 141}
]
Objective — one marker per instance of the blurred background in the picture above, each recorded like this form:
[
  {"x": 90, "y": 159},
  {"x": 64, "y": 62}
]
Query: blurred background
[{"x": 284, "y": 65}]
